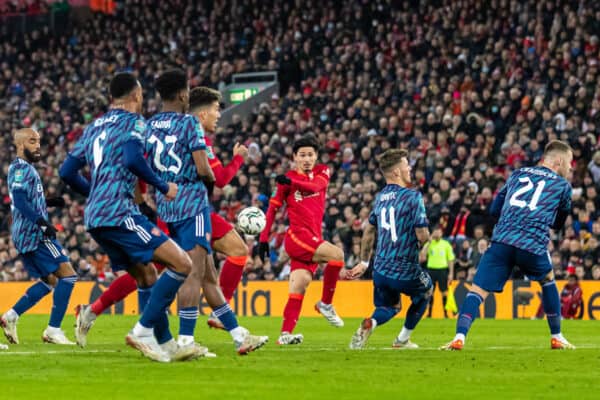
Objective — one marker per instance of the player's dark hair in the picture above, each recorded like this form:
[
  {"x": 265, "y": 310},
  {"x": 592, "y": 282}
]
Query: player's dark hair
[
  {"x": 122, "y": 84},
  {"x": 556, "y": 146},
  {"x": 170, "y": 83},
  {"x": 391, "y": 158},
  {"x": 203, "y": 96},
  {"x": 306, "y": 141}
]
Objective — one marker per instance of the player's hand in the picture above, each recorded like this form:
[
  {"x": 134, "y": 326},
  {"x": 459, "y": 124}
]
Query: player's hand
[
  {"x": 47, "y": 228},
  {"x": 240, "y": 150},
  {"x": 345, "y": 274},
  {"x": 358, "y": 271},
  {"x": 55, "y": 202},
  {"x": 172, "y": 192},
  {"x": 283, "y": 180},
  {"x": 263, "y": 251}
]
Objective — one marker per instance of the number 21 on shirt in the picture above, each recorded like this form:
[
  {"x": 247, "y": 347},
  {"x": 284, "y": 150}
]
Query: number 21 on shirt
[{"x": 528, "y": 185}]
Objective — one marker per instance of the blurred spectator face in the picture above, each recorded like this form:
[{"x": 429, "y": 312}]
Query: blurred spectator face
[
  {"x": 596, "y": 272},
  {"x": 305, "y": 159},
  {"x": 580, "y": 271},
  {"x": 482, "y": 245}
]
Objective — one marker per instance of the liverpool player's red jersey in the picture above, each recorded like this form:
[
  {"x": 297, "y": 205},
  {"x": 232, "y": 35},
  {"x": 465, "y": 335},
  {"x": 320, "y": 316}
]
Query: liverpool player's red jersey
[
  {"x": 305, "y": 199},
  {"x": 223, "y": 175}
]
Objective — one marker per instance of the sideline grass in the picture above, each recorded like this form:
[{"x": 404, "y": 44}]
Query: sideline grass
[{"x": 502, "y": 360}]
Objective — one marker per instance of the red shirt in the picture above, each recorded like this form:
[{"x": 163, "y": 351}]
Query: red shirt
[
  {"x": 223, "y": 175},
  {"x": 305, "y": 199}
]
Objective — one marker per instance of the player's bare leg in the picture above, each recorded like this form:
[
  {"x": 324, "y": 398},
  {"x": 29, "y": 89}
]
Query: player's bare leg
[
  {"x": 334, "y": 257},
  {"x": 244, "y": 342},
  {"x": 299, "y": 281},
  {"x": 233, "y": 246},
  {"x": 60, "y": 300}
]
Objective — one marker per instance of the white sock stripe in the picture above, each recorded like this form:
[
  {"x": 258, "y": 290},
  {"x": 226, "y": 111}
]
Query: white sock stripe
[
  {"x": 549, "y": 283},
  {"x": 476, "y": 295},
  {"x": 175, "y": 276},
  {"x": 48, "y": 286},
  {"x": 222, "y": 310}
]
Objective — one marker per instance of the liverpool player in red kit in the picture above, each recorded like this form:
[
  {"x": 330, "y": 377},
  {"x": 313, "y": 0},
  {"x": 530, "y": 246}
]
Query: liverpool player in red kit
[
  {"x": 304, "y": 190},
  {"x": 204, "y": 104},
  {"x": 571, "y": 298}
]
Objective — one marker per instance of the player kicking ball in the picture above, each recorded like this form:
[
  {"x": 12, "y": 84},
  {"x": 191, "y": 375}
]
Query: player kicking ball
[
  {"x": 398, "y": 217},
  {"x": 533, "y": 200},
  {"x": 35, "y": 240},
  {"x": 304, "y": 191}
]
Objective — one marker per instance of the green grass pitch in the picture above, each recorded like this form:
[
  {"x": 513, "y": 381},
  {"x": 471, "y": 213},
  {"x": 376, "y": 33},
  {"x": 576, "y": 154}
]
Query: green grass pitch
[{"x": 502, "y": 360}]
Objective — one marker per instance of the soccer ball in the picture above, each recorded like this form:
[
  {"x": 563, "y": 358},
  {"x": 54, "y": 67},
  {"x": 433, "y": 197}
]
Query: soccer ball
[{"x": 251, "y": 221}]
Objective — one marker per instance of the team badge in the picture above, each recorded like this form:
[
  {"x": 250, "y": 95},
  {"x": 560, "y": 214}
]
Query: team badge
[{"x": 155, "y": 231}]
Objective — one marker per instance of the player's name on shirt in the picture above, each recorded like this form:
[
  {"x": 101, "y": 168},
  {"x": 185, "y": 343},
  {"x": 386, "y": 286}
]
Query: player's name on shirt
[{"x": 540, "y": 172}]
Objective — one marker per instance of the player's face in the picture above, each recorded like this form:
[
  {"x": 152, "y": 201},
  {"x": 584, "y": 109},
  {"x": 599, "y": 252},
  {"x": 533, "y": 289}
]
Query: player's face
[
  {"x": 405, "y": 169},
  {"x": 31, "y": 147},
  {"x": 305, "y": 159},
  {"x": 184, "y": 97},
  {"x": 210, "y": 117}
]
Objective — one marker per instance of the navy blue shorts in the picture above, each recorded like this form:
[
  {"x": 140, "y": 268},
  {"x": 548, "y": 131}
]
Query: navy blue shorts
[
  {"x": 497, "y": 264},
  {"x": 133, "y": 242},
  {"x": 192, "y": 232},
  {"x": 44, "y": 260},
  {"x": 386, "y": 291}
]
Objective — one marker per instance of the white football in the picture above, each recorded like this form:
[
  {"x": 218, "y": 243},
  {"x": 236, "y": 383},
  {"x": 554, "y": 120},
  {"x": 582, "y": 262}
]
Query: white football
[{"x": 251, "y": 221}]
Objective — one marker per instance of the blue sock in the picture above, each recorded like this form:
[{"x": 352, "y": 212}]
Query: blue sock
[
  {"x": 226, "y": 316},
  {"x": 143, "y": 297},
  {"x": 384, "y": 314},
  {"x": 415, "y": 312},
  {"x": 468, "y": 312},
  {"x": 551, "y": 303},
  {"x": 162, "y": 295},
  {"x": 161, "y": 329},
  {"x": 31, "y": 297},
  {"x": 60, "y": 300},
  {"x": 187, "y": 320}
]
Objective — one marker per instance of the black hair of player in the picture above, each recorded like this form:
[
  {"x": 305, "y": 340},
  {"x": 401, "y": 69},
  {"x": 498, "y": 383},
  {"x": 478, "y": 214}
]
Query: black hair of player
[
  {"x": 306, "y": 141},
  {"x": 203, "y": 96},
  {"x": 122, "y": 84},
  {"x": 170, "y": 83}
]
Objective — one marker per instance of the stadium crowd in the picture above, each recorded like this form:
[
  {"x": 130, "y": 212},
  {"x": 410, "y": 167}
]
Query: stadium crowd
[{"x": 473, "y": 89}]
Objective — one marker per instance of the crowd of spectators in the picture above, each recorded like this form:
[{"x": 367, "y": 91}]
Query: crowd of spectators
[{"x": 472, "y": 89}]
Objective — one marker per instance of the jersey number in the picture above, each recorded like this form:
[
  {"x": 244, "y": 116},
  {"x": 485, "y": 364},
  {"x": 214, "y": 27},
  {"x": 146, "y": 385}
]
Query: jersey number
[
  {"x": 391, "y": 225},
  {"x": 160, "y": 147},
  {"x": 98, "y": 147},
  {"x": 515, "y": 201}
]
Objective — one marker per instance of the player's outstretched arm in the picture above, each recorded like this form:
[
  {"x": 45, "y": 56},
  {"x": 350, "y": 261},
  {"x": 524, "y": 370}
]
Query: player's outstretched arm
[
  {"x": 69, "y": 173},
  {"x": 134, "y": 160},
  {"x": 203, "y": 168},
  {"x": 498, "y": 202},
  {"x": 366, "y": 248},
  {"x": 224, "y": 174},
  {"x": 318, "y": 184},
  {"x": 21, "y": 203}
]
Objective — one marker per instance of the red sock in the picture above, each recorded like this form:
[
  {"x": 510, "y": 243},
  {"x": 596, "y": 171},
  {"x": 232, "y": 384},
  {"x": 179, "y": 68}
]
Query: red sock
[
  {"x": 117, "y": 291},
  {"x": 231, "y": 274},
  {"x": 330, "y": 278},
  {"x": 291, "y": 312}
]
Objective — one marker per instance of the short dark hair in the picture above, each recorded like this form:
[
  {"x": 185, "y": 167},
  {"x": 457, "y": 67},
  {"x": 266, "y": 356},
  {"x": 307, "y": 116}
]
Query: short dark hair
[
  {"x": 203, "y": 96},
  {"x": 171, "y": 82},
  {"x": 122, "y": 84},
  {"x": 391, "y": 158},
  {"x": 557, "y": 146},
  {"x": 306, "y": 141}
]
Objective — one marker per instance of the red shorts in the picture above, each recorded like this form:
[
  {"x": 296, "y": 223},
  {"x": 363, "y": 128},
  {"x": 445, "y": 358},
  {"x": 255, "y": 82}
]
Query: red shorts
[
  {"x": 220, "y": 227},
  {"x": 301, "y": 246}
]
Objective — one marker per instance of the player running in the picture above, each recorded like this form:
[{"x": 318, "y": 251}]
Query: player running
[
  {"x": 35, "y": 240},
  {"x": 533, "y": 200},
  {"x": 399, "y": 220},
  {"x": 112, "y": 146},
  {"x": 304, "y": 191},
  {"x": 188, "y": 216}
]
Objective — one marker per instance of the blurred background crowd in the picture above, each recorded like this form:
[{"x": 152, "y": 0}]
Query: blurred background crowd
[{"x": 472, "y": 89}]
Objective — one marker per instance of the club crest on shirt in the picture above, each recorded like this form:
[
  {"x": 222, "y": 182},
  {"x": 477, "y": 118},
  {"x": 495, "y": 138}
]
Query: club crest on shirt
[{"x": 155, "y": 231}]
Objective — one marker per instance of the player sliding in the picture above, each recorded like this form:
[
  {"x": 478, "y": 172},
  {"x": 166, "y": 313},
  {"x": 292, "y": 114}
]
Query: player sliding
[
  {"x": 35, "y": 240},
  {"x": 533, "y": 200},
  {"x": 399, "y": 218},
  {"x": 112, "y": 146},
  {"x": 188, "y": 216},
  {"x": 304, "y": 191}
]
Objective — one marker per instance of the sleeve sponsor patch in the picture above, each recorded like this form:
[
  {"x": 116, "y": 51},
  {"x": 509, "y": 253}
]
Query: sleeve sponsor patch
[{"x": 140, "y": 126}]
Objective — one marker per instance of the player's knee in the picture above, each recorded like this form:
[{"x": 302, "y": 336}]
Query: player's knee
[
  {"x": 337, "y": 254},
  {"x": 184, "y": 264}
]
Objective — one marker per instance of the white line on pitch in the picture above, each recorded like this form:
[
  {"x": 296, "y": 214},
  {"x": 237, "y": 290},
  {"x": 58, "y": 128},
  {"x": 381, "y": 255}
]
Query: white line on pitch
[{"x": 27, "y": 353}]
